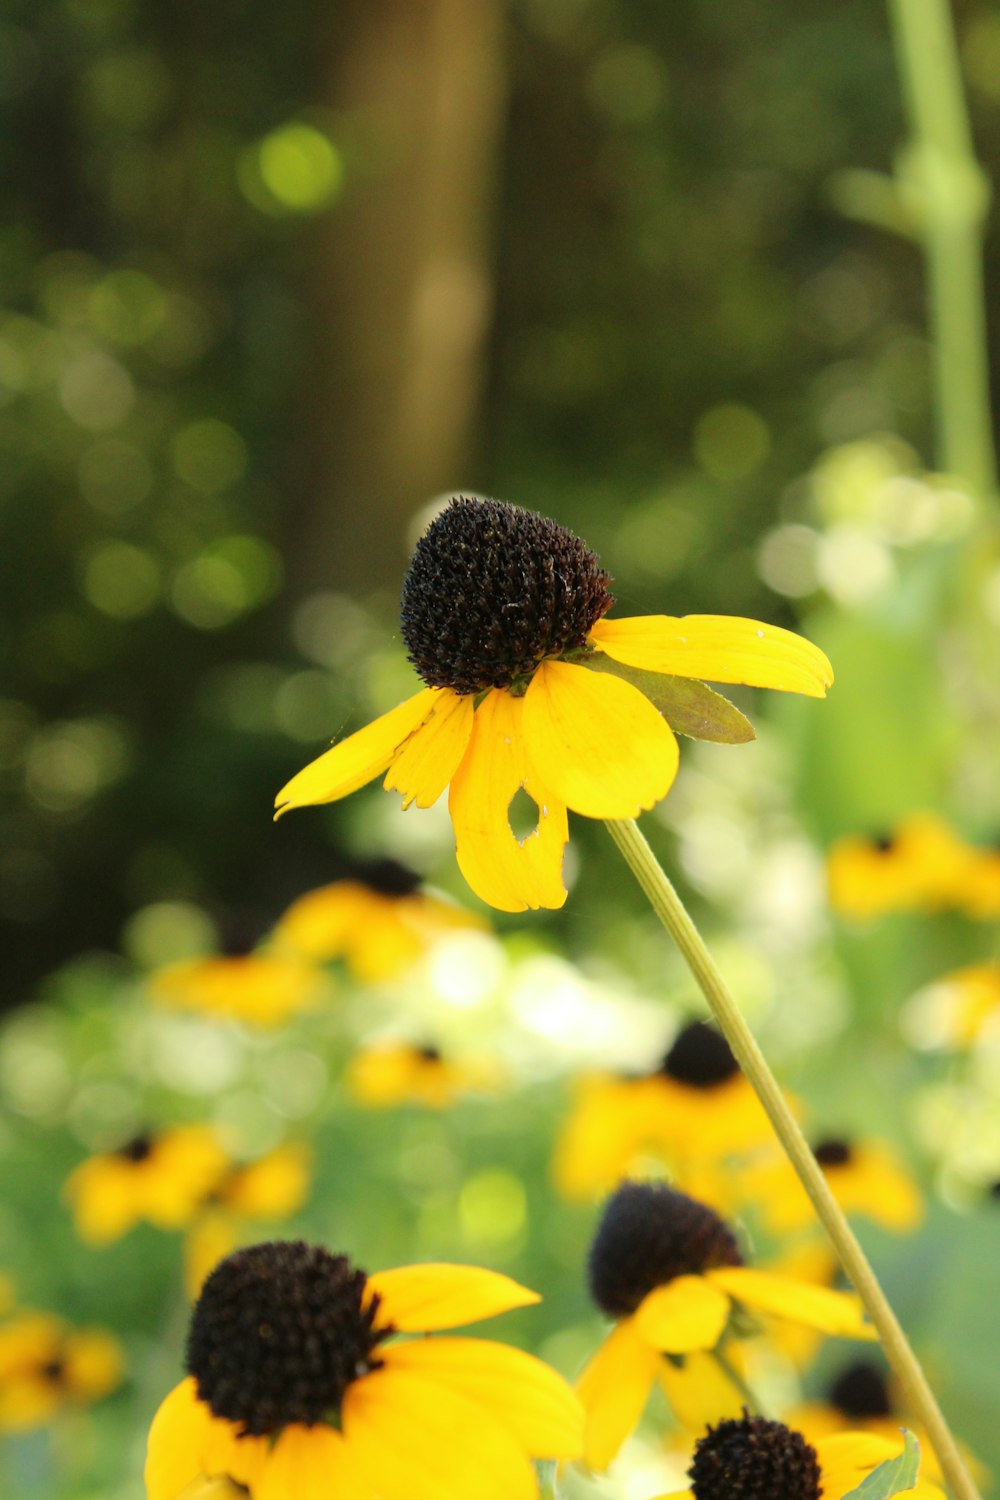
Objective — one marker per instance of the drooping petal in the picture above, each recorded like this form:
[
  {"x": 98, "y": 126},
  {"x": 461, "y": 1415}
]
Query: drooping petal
[
  {"x": 421, "y": 1299},
  {"x": 687, "y": 1313},
  {"x": 614, "y": 1389},
  {"x": 417, "y": 1439},
  {"x": 311, "y": 1463},
  {"x": 540, "y": 1410},
  {"x": 359, "y": 758},
  {"x": 426, "y": 762},
  {"x": 699, "y": 1390},
  {"x": 510, "y": 873},
  {"x": 815, "y": 1306},
  {"x": 721, "y": 648},
  {"x": 597, "y": 742}
]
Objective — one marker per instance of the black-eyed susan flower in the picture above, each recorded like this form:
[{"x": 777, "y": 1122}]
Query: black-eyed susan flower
[
  {"x": 750, "y": 1458},
  {"x": 263, "y": 987},
  {"x": 693, "y": 1110},
  {"x": 380, "y": 922},
  {"x": 46, "y": 1365},
  {"x": 922, "y": 866},
  {"x": 162, "y": 1177},
  {"x": 298, "y": 1387},
  {"x": 389, "y": 1074},
  {"x": 670, "y": 1272},
  {"x": 530, "y": 689},
  {"x": 865, "y": 1176}
]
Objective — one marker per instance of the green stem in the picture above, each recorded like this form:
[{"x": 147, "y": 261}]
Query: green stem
[
  {"x": 734, "y": 1377},
  {"x": 948, "y": 197},
  {"x": 672, "y": 913}
]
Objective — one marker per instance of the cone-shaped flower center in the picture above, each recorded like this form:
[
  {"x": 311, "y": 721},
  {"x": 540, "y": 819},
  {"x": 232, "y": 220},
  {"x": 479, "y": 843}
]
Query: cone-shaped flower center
[
  {"x": 833, "y": 1153},
  {"x": 492, "y": 590},
  {"x": 137, "y": 1149},
  {"x": 700, "y": 1058},
  {"x": 648, "y": 1235},
  {"x": 861, "y": 1391},
  {"x": 278, "y": 1334},
  {"x": 753, "y": 1459}
]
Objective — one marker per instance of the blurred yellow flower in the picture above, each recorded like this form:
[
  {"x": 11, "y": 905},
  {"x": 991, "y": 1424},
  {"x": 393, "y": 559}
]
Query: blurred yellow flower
[
  {"x": 670, "y": 1272},
  {"x": 865, "y": 1176},
  {"x": 163, "y": 1177},
  {"x": 694, "y": 1110},
  {"x": 923, "y": 866},
  {"x": 957, "y": 1009},
  {"x": 390, "y": 1074},
  {"x": 297, "y": 1389},
  {"x": 533, "y": 696},
  {"x": 751, "y": 1456},
  {"x": 381, "y": 924},
  {"x": 261, "y": 988},
  {"x": 45, "y": 1365},
  {"x": 981, "y": 892}
]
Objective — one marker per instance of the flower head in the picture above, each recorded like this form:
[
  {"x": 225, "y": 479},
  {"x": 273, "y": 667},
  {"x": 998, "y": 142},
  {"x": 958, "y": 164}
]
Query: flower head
[
  {"x": 921, "y": 866},
  {"x": 750, "y": 1458},
  {"x": 162, "y": 1177},
  {"x": 530, "y": 688},
  {"x": 297, "y": 1388},
  {"x": 865, "y": 1176},
  {"x": 389, "y": 1074},
  {"x": 671, "y": 1272},
  {"x": 45, "y": 1365},
  {"x": 262, "y": 987}
]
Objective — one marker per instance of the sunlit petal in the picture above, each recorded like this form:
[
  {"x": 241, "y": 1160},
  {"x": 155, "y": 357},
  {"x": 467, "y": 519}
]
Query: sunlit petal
[
  {"x": 359, "y": 758},
  {"x": 614, "y": 1389},
  {"x": 597, "y": 742},
  {"x": 525, "y": 1395},
  {"x": 420, "y": 1299},
  {"x": 719, "y": 648},
  {"x": 426, "y": 762},
  {"x": 417, "y": 1439},
  {"x": 511, "y": 874},
  {"x": 687, "y": 1313},
  {"x": 815, "y": 1306}
]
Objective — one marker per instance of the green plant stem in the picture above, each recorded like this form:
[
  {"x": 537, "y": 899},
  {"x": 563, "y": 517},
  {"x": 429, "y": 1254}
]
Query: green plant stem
[
  {"x": 947, "y": 196},
  {"x": 673, "y": 914}
]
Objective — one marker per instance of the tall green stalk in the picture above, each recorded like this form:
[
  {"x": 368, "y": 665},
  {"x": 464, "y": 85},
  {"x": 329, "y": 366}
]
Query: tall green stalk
[
  {"x": 672, "y": 913},
  {"x": 946, "y": 197}
]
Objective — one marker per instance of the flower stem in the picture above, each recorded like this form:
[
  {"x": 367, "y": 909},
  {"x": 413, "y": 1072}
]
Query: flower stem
[
  {"x": 734, "y": 1377},
  {"x": 672, "y": 913}
]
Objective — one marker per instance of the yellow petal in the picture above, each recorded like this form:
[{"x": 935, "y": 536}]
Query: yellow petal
[
  {"x": 417, "y": 1439},
  {"x": 92, "y": 1363},
  {"x": 511, "y": 874},
  {"x": 699, "y": 1390},
  {"x": 535, "y": 1404},
  {"x": 721, "y": 648},
  {"x": 420, "y": 1299},
  {"x": 815, "y": 1306},
  {"x": 102, "y": 1194},
  {"x": 614, "y": 1389},
  {"x": 597, "y": 742},
  {"x": 177, "y": 1440},
  {"x": 359, "y": 758},
  {"x": 311, "y": 1463},
  {"x": 687, "y": 1313},
  {"x": 426, "y": 762}
]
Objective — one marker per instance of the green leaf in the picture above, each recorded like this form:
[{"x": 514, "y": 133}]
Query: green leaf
[
  {"x": 892, "y": 1477},
  {"x": 688, "y": 706}
]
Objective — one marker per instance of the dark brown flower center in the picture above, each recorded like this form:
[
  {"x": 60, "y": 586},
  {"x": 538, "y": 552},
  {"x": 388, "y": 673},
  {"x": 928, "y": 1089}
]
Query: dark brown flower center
[
  {"x": 700, "y": 1058},
  {"x": 137, "y": 1149},
  {"x": 279, "y": 1333},
  {"x": 753, "y": 1459},
  {"x": 387, "y": 877},
  {"x": 833, "y": 1152},
  {"x": 648, "y": 1235},
  {"x": 861, "y": 1391},
  {"x": 492, "y": 590}
]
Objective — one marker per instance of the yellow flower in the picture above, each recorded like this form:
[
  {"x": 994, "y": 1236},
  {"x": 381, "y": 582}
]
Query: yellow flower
[
  {"x": 747, "y": 1457},
  {"x": 391, "y": 1074},
  {"x": 981, "y": 894},
  {"x": 865, "y": 1176},
  {"x": 381, "y": 923},
  {"x": 298, "y": 1389},
  {"x": 530, "y": 690},
  {"x": 163, "y": 1178},
  {"x": 669, "y": 1270},
  {"x": 44, "y": 1365},
  {"x": 922, "y": 866},
  {"x": 694, "y": 1110},
  {"x": 261, "y": 988}
]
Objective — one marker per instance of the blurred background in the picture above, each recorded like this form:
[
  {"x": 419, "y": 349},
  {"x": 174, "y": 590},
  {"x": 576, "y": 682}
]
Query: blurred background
[{"x": 274, "y": 280}]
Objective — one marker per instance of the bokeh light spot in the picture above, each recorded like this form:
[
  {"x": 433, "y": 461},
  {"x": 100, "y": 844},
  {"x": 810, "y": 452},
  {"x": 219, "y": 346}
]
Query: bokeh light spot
[
  {"x": 295, "y": 169},
  {"x": 492, "y": 1208}
]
